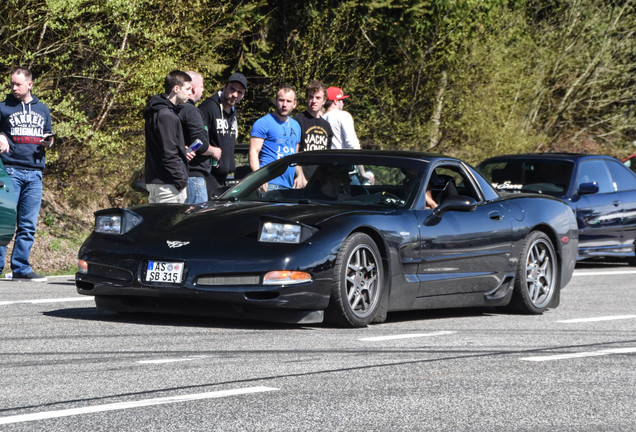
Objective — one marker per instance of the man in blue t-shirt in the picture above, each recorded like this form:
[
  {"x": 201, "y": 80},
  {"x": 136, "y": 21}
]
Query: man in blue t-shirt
[{"x": 274, "y": 136}]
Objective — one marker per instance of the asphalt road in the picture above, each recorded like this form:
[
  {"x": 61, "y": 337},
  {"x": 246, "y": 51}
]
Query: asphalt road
[{"x": 67, "y": 367}]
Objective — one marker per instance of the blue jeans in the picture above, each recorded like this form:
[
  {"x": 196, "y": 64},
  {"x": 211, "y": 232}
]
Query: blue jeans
[
  {"x": 197, "y": 191},
  {"x": 27, "y": 185}
]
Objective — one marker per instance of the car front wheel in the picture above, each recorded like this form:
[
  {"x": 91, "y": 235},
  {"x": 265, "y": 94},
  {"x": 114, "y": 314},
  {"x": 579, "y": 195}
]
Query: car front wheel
[
  {"x": 537, "y": 275},
  {"x": 358, "y": 283}
]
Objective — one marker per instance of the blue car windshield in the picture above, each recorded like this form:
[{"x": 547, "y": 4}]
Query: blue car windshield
[
  {"x": 548, "y": 176},
  {"x": 331, "y": 182}
]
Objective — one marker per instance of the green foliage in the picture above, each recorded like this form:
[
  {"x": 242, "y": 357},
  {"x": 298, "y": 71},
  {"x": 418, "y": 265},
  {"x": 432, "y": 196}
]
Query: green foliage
[
  {"x": 471, "y": 78},
  {"x": 97, "y": 64},
  {"x": 48, "y": 219}
]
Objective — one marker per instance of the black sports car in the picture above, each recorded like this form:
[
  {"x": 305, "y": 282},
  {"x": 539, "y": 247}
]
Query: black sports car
[
  {"x": 335, "y": 250},
  {"x": 600, "y": 189}
]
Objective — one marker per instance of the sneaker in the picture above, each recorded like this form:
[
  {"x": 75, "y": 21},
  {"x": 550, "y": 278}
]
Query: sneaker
[{"x": 30, "y": 277}]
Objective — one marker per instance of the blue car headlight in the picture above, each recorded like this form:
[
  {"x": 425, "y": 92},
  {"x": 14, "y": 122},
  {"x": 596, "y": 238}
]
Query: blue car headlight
[
  {"x": 116, "y": 222},
  {"x": 284, "y": 232}
]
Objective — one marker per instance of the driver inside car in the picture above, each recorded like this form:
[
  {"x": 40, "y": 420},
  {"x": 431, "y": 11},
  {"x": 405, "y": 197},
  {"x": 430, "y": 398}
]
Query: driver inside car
[{"x": 335, "y": 182}]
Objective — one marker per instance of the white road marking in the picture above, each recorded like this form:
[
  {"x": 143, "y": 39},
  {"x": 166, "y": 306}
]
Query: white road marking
[
  {"x": 405, "y": 336},
  {"x": 132, "y": 404},
  {"x": 55, "y": 300},
  {"x": 581, "y": 354},
  {"x": 596, "y": 319},
  {"x": 172, "y": 360},
  {"x": 602, "y": 273}
]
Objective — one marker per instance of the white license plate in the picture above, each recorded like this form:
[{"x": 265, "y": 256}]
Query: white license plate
[{"x": 162, "y": 271}]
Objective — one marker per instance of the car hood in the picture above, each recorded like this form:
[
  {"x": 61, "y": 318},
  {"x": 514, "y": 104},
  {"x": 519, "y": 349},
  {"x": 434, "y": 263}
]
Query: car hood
[{"x": 232, "y": 219}]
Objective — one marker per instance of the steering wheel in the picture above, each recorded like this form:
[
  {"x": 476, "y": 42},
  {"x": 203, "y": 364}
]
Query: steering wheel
[{"x": 389, "y": 198}]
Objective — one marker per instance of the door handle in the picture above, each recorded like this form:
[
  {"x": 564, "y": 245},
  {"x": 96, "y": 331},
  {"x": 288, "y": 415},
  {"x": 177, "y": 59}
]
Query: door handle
[
  {"x": 616, "y": 203},
  {"x": 496, "y": 216}
]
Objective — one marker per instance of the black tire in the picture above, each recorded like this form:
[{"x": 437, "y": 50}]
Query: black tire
[
  {"x": 358, "y": 285},
  {"x": 537, "y": 275}
]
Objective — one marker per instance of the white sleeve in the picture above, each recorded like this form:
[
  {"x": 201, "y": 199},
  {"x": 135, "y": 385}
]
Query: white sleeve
[{"x": 349, "y": 137}]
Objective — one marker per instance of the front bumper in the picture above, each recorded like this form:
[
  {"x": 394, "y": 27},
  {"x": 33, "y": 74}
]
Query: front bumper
[{"x": 240, "y": 289}]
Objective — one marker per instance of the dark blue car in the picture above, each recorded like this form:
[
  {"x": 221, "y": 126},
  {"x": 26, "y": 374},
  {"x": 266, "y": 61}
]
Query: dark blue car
[{"x": 600, "y": 189}]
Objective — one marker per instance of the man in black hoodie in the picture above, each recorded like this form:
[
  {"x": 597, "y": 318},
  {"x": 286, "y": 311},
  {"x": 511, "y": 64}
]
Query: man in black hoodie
[
  {"x": 166, "y": 167},
  {"x": 220, "y": 117}
]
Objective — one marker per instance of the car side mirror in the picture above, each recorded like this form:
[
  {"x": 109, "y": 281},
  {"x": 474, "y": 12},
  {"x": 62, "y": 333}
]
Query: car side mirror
[
  {"x": 453, "y": 203},
  {"x": 220, "y": 191},
  {"x": 588, "y": 188}
]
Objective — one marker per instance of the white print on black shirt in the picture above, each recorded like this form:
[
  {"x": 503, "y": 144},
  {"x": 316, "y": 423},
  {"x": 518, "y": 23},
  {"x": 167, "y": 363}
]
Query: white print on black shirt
[
  {"x": 316, "y": 138},
  {"x": 26, "y": 127},
  {"x": 223, "y": 128}
]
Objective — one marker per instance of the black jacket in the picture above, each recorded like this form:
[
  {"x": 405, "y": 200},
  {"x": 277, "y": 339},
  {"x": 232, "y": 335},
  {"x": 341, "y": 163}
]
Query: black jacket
[
  {"x": 166, "y": 161},
  {"x": 222, "y": 130},
  {"x": 194, "y": 129}
]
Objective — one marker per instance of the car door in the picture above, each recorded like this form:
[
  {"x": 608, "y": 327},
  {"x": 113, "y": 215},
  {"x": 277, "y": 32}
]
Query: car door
[
  {"x": 625, "y": 185},
  {"x": 464, "y": 252},
  {"x": 599, "y": 213},
  {"x": 7, "y": 207}
]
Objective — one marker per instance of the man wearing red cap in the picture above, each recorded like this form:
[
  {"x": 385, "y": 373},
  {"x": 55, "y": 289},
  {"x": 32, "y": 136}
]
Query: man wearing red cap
[{"x": 344, "y": 133}]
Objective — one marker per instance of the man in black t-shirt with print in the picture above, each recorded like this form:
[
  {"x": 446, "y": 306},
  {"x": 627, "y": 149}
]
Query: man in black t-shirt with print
[
  {"x": 316, "y": 132},
  {"x": 220, "y": 117}
]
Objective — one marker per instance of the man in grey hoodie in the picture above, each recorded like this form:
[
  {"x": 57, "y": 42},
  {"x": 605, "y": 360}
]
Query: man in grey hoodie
[{"x": 25, "y": 133}]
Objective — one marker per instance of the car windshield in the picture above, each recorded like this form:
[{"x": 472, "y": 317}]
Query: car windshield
[
  {"x": 333, "y": 181},
  {"x": 548, "y": 176}
]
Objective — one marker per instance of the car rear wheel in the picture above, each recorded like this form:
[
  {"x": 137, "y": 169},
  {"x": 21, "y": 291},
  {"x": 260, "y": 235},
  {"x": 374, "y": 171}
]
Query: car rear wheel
[
  {"x": 537, "y": 275},
  {"x": 358, "y": 283}
]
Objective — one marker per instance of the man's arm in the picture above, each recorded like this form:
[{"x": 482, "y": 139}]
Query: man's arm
[
  {"x": 47, "y": 140},
  {"x": 207, "y": 116},
  {"x": 350, "y": 141},
  {"x": 193, "y": 127},
  {"x": 349, "y": 137},
  {"x": 4, "y": 143},
  {"x": 169, "y": 150},
  {"x": 299, "y": 180},
  {"x": 256, "y": 144}
]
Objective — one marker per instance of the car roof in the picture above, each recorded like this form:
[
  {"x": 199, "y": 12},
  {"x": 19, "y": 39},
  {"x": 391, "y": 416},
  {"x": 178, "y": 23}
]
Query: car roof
[
  {"x": 549, "y": 155},
  {"x": 408, "y": 154},
  {"x": 380, "y": 153}
]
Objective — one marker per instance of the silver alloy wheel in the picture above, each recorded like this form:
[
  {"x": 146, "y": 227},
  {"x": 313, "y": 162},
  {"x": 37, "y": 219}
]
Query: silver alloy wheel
[
  {"x": 362, "y": 283},
  {"x": 540, "y": 273}
]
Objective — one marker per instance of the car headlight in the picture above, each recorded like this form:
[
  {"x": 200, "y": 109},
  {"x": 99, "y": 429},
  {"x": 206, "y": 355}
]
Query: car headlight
[
  {"x": 117, "y": 223},
  {"x": 108, "y": 224},
  {"x": 284, "y": 232},
  {"x": 272, "y": 232}
]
